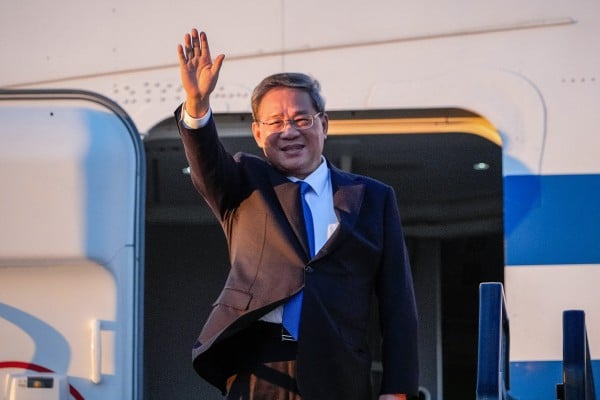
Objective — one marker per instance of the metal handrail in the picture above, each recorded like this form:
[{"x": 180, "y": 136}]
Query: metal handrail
[
  {"x": 578, "y": 379},
  {"x": 493, "y": 380}
]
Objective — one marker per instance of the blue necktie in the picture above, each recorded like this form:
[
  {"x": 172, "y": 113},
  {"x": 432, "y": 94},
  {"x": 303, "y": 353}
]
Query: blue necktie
[{"x": 291, "y": 309}]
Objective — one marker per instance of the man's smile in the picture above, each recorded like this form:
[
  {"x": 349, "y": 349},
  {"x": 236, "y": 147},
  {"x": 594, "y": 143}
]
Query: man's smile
[{"x": 290, "y": 148}]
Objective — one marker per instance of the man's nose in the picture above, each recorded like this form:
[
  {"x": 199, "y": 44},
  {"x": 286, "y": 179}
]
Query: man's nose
[{"x": 289, "y": 130}]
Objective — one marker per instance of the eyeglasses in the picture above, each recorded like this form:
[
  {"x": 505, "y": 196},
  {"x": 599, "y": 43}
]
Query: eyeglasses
[{"x": 300, "y": 122}]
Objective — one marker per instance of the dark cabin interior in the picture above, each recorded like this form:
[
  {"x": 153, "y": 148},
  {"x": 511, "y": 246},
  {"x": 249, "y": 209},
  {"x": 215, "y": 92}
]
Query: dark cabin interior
[{"x": 449, "y": 190}]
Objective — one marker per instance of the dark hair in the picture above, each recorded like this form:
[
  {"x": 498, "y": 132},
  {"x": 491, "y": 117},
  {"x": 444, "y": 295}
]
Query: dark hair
[{"x": 293, "y": 80}]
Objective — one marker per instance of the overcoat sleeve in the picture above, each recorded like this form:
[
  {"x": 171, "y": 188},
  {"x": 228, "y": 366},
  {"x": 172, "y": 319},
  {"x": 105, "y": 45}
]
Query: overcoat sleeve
[
  {"x": 397, "y": 308},
  {"x": 214, "y": 172}
]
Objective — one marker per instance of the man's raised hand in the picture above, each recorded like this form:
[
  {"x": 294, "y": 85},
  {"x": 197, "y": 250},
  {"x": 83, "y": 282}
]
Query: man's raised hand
[{"x": 199, "y": 73}]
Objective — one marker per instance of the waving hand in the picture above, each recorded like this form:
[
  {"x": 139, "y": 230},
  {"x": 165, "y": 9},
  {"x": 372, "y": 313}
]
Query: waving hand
[{"x": 199, "y": 74}]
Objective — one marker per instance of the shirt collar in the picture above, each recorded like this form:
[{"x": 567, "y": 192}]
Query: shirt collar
[{"x": 317, "y": 179}]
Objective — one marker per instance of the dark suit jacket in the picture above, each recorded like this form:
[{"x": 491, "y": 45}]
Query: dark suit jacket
[{"x": 260, "y": 212}]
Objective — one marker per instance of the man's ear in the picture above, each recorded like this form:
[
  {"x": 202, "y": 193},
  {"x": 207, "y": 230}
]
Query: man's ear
[
  {"x": 325, "y": 123},
  {"x": 257, "y": 134}
]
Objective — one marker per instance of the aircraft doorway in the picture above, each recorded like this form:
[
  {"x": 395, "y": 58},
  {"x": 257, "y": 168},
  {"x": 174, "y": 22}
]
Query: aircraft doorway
[{"x": 445, "y": 166}]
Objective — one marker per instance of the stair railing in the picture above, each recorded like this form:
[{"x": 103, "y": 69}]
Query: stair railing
[
  {"x": 578, "y": 379},
  {"x": 494, "y": 344}
]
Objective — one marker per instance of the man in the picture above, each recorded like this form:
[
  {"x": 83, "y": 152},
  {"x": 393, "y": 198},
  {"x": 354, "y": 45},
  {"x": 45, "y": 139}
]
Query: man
[{"x": 248, "y": 347}]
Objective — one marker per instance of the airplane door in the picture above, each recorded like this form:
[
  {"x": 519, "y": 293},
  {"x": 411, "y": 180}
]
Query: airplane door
[{"x": 72, "y": 176}]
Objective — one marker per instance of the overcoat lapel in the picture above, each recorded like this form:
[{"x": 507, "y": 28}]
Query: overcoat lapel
[
  {"x": 347, "y": 198},
  {"x": 288, "y": 194}
]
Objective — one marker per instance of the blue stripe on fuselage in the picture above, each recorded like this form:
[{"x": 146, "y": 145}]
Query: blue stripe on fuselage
[
  {"x": 552, "y": 219},
  {"x": 536, "y": 380}
]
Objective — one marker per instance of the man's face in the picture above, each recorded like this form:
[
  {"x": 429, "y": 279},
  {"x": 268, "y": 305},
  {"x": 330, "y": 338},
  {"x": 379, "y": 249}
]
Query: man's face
[{"x": 296, "y": 152}]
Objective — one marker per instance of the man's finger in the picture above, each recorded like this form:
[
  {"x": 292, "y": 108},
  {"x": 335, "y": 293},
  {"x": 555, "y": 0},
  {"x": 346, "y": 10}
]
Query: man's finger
[
  {"x": 204, "y": 48},
  {"x": 187, "y": 40},
  {"x": 181, "y": 55},
  {"x": 189, "y": 52},
  {"x": 216, "y": 67}
]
